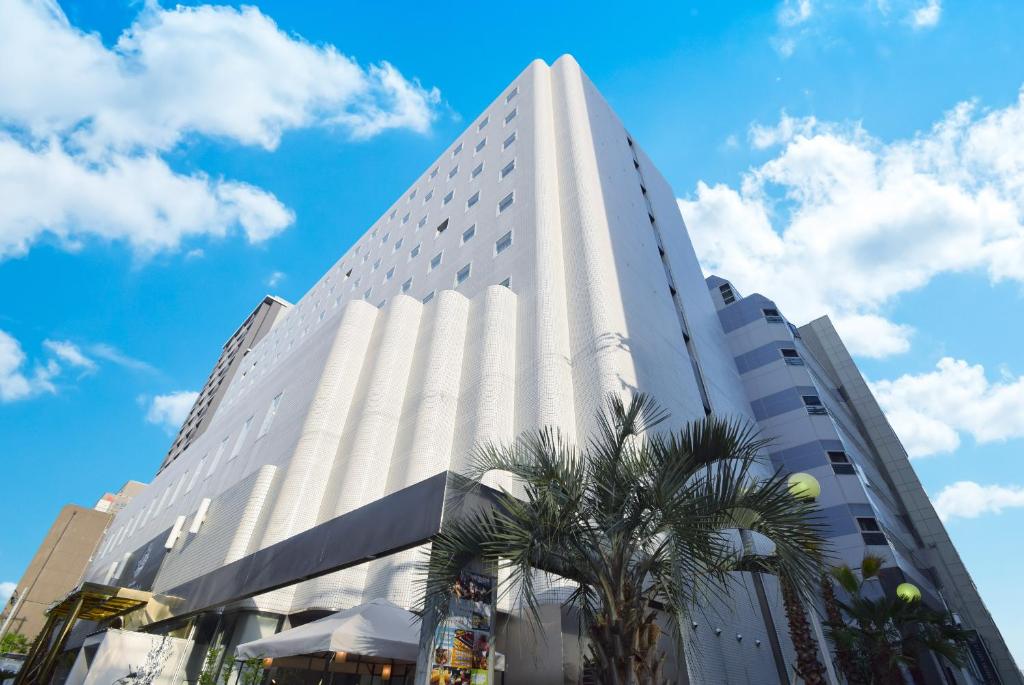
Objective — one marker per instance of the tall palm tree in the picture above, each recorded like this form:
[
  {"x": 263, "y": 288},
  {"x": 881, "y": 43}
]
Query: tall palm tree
[
  {"x": 637, "y": 519},
  {"x": 883, "y": 635}
]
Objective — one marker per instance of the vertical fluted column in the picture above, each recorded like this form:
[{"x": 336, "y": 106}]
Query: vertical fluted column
[
  {"x": 242, "y": 538},
  {"x": 546, "y": 360},
  {"x": 365, "y": 457},
  {"x": 597, "y": 327},
  {"x": 305, "y": 480}
]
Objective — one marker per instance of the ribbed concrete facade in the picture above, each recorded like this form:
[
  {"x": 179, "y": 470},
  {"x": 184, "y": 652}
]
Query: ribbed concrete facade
[{"x": 540, "y": 263}]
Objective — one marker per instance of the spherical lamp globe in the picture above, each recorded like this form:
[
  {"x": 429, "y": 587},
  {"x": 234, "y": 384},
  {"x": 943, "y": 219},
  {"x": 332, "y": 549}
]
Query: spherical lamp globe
[
  {"x": 908, "y": 592},
  {"x": 804, "y": 486}
]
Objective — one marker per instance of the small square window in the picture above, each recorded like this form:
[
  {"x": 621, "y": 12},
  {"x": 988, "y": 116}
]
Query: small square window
[
  {"x": 390, "y": 274},
  {"x": 366, "y": 295},
  {"x": 789, "y": 353},
  {"x": 412, "y": 195},
  {"x": 414, "y": 252},
  {"x": 376, "y": 264},
  {"x": 506, "y": 202},
  {"x": 428, "y": 297},
  {"x": 508, "y": 141},
  {"x": 507, "y": 283},
  {"x": 482, "y": 124},
  {"x": 422, "y": 222},
  {"x": 481, "y": 145},
  {"x": 478, "y": 170},
  {"x": 503, "y": 243},
  {"x": 511, "y": 115},
  {"x": 512, "y": 93},
  {"x": 772, "y": 315},
  {"x": 442, "y": 226},
  {"x": 457, "y": 150},
  {"x": 454, "y": 171},
  {"x": 407, "y": 285},
  {"x": 463, "y": 275},
  {"x": 385, "y": 238},
  {"x": 508, "y": 169},
  {"x": 473, "y": 199},
  {"x": 812, "y": 401},
  {"x": 433, "y": 172},
  {"x": 435, "y": 261},
  {"x": 841, "y": 463},
  {"x": 405, "y": 219},
  {"x": 428, "y": 196},
  {"x": 468, "y": 234},
  {"x": 448, "y": 197}
]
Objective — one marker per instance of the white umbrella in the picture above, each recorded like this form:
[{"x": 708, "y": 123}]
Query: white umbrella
[{"x": 378, "y": 628}]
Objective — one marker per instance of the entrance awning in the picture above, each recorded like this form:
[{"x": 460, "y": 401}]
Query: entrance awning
[{"x": 375, "y": 629}]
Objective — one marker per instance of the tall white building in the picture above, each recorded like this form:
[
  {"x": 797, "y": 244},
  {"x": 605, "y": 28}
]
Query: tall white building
[{"x": 539, "y": 263}]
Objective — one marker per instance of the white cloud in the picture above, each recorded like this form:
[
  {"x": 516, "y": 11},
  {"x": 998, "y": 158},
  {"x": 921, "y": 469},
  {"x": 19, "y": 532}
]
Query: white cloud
[
  {"x": 112, "y": 354},
  {"x": 82, "y": 126},
  {"x": 7, "y": 588},
  {"x": 275, "y": 278},
  {"x": 16, "y": 383},
  {"x": 794, "y": 12},
  {"x": 927, "y": 15},
  {"x": 839, "y": 222},
  {"x": 930, "y": 410},
  {"x": 967, "y": 499},
  {"x": 171, "y": 410},
  {"x": 69, "y": 352}
]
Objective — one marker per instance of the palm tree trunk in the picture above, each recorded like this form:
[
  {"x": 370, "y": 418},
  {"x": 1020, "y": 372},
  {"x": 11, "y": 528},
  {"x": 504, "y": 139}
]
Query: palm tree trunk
[
  {"x": 834, "y": 620},
  {"x": 807, "y": 665}
]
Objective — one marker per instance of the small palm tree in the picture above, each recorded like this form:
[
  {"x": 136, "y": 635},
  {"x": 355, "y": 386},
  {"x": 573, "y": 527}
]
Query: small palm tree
[
  {"x": 636, "y": 519},
  {"x": 883, "y": 635}
]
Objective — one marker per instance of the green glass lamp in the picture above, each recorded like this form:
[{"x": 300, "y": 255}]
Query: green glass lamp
[{"x": 804, "y": 486}]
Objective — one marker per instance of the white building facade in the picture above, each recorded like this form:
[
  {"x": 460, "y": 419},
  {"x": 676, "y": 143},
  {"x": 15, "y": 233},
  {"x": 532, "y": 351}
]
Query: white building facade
[{"x": 540, "y": 263}]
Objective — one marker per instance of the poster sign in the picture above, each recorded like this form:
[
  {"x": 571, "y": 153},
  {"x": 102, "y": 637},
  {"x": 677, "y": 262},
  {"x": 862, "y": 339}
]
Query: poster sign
[{"x": 463, "y": 653}]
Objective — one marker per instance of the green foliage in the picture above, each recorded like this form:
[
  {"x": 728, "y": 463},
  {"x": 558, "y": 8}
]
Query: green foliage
[
  {"x": 635, "y": 517},
  {"x": 14, "y": 643},
  {"x": 227, "y": 666},
  {"x": 880, "y": 635},
  {"x": 209, "y": 673}
]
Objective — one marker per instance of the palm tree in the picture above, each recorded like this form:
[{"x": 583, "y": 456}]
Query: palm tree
[
  {"x": 884, "y": 635},
  {"x": 637, "y": 519}
]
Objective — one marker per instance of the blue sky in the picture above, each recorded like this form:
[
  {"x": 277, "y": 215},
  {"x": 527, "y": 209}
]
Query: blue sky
[{"x": 161, "y": 169}]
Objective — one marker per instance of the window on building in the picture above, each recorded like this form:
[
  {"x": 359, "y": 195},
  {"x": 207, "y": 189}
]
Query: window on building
[
  {"x": 241, "y": 438},
  {"x": 791, "y": 356},
  {"x": 840, "y": 463},
  {"x": 508, "y": 141},
  {"x": 422, "y": 222},
  {"x": 428, "y": 196},
  {"x": 433, "y": 172},
  {"x": 442, "y": 226},
  {"x": 481, "y": 145},
  {"x": 376, "y": 264},
  {"x": 482, "y": 124},
  {"x": 390, "y": 274},
  {"x": 435, "y": 261},
  {"x": 772, "y": 315},
  {"x": 428, "y": 297},
  {"x": 512, "y": 93},
  {"x": 456, "y": 151},
  {"x": 218, "y": 454},
  {"x": 511, "y": 115},
  {"x": 463, "y": 275},
  {"x": 871, "y": 531},
  {"x": 448, "y": 197},
  {"x": 398, "y": 244},
  {"x": 405, "y": 219},
  {"x": 454, "y": 171},
  {"x": 366, "y": 295},
  {"x": 728, "y": 296},
  {"x": 407, "y": 285},
  {"x": 275, "y": 404},
  {"x": 507, "y": 282},
  {"x": 412, "y": 195},
  {"x": 473, "y": 199},
  {"x": 414, "y": 252},
  {"x": 814, "y": 405},
  {"x": 477, "y": 170},
  {"x": 348, "y": 274},
  {"x": 503, "y": 243},
  {"x": 391, "y": 217},
  {"x": 508, "y": 169},
  {"x": 380, "y": 305},
  {"x": 506, "y": 202},
  {"x": 468, "y": 234}
]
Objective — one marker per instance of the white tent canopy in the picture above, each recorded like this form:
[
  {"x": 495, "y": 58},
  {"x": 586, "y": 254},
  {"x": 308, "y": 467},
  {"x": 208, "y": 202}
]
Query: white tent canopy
[{"x": 378, "y": 628}]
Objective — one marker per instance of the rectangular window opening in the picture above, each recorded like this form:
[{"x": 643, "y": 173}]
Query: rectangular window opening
[
  {"x": 506, "y": 202},
  {"x": 468, "y": 234},
  {"x": 463, "y": 275},
  {"x": 503, "y": 243}
]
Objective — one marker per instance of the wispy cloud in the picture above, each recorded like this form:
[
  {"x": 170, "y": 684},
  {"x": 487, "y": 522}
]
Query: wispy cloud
[
  {"x": 170, "y": 411},
  {"x": 112, "y": 354},
  {"x": 967, "y": 499},
  {"x": 927, "y": 15},
  {"x": 16, "y": 381},
  {"x": 274, "y": 279},
  {"x": 69, "y": 352}
]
